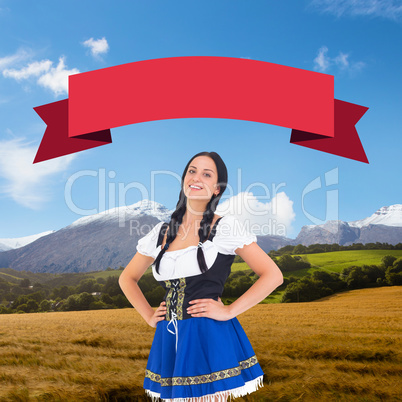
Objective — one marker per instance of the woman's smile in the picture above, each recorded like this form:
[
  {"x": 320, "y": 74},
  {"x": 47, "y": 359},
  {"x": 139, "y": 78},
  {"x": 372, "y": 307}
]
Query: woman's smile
[{"x": 195, "y": 187}]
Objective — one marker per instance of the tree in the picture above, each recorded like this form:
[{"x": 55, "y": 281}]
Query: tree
[
  {"x": 4, "y": 310},
  {"x": 286, "y": 249},
  {"x": 22, "y": 308},
  {"x": 71, "y": 303},
  {"x": 32, "y": 306},
  {"x": 112, "y": 287},
  {"x": 107, "y": 299},
  {"x": 388, "y": 260},
  {"x": 397, "y": 265},
  {"x": 121, "y": 301},
  {"x": 155, "y": 296},
  {"x": 37, "y": 296},
  {"x": 84, "y": 300},
  {"x": 288, "y": 263},
  {"x": 357, "y": 279},
  {"x": 393, "y": 274},
  {"x": 373, "y": 273},
  {"x": 98, "y": 305},
  {"x": 20, "y": 300},
  {"x": 63, "y": 292},
  {"x": 238, "y": 259},
  {"x": 45, "y": 305},
  {"x": 25, "y": 283},
  {"x": 88, "y": 285},
  {"x": 304, "y": 290},
  {"x": 300, "y": 249}
]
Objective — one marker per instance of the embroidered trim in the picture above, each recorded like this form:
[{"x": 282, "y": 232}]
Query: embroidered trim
[
  {"x": 202, "y": 379},
  {"x": 168, "y": 298},
  {"x": 175, "y": 296},
  {"x": 222, "y": 396},
  {"x": 180, "y": 298}
]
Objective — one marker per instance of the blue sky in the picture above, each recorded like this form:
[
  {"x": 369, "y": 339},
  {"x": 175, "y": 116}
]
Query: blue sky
[{"x": 42, "y": 42}]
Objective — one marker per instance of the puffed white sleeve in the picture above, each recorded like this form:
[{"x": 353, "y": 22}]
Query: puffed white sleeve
[
  {"x": 232, "y": 234},
  {"x": 147, "y": 244}
]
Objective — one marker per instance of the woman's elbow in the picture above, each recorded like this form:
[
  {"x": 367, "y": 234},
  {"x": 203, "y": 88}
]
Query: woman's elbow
[
  {"x": 277, "y": 277},
  {"x": 123, "y": 279}
]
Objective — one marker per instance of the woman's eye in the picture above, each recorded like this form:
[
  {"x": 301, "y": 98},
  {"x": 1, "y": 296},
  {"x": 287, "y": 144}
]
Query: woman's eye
[{"x": 207, "y": 174}]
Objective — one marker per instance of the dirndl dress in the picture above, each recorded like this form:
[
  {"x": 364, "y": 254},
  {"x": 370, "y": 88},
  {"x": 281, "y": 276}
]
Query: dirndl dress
[{"x": 198, "y": 357}]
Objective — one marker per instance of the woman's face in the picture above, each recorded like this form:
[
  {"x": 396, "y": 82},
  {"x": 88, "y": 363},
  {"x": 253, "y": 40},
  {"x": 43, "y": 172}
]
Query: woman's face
[{"x": 200, "y": 181}]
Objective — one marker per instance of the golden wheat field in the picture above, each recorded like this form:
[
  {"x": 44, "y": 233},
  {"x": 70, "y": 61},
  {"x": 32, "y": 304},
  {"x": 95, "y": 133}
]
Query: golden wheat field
[{"x": 346, "y": 347}]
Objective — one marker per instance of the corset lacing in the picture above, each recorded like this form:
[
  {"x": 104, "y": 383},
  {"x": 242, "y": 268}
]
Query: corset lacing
[{"x": 174, "y": 303}]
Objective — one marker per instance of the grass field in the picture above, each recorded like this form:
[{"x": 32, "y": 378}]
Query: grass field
[
  {"x": 346, "y": 347},
  {"x": 336, "y": 261}
]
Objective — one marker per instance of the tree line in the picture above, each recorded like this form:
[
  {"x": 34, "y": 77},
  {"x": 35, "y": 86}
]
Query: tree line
[
  {"x": 322, "y": 283},
  {"x": 101, "y": 293},
  {"x": 325, "y": 248}
]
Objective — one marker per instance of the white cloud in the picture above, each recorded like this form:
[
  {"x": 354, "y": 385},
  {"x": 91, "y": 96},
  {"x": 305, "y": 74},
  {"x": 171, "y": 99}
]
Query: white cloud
[
  {"x": 53, "y": 78},
  {"x": 17, "y": 57},
  {"x": 274, "y": 217},
  {"x": 342, "y": 60},
  {"x": 323, "y": 62},
  {"x": 33, "y": 69},
  {"x": 26, "y": 183},
  {"x": 97, "y": 46},
  {"x": 56, "y": 79},
  {"x": 390, "y": 9}
]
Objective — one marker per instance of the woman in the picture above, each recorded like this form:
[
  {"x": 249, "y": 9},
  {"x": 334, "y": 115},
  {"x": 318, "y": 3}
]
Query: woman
[{"x": 199, "y": 352}]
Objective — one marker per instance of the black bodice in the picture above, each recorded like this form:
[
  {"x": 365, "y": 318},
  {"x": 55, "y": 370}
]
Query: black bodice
[{"x": 207, "y": 285}]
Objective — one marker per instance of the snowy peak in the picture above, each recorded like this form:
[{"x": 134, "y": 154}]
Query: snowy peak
[
  {"x": 8, "y": 244},
  {"x": 390, "y": 216},
  {"x": 144, "y": 207},
  {"x": 385, "y": 226},
  {"x": 331, "y": 225}
]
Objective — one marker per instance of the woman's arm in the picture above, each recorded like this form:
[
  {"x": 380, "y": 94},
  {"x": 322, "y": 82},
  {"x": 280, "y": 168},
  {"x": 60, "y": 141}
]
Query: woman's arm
[
  {"x": 270, "y": 277},
  {"x": 128, "y": 282}
]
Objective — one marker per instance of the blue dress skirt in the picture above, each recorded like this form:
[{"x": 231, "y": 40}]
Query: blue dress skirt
[{"x": 201, "y": 357}]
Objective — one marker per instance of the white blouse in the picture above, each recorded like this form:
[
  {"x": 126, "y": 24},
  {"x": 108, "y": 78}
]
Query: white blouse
[{"x": 230, "y": 235}]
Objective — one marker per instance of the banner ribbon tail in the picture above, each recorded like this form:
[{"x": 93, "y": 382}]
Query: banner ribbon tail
[
  {"x": 345, "y": 142},
  {"x": 56, "y": 141}
]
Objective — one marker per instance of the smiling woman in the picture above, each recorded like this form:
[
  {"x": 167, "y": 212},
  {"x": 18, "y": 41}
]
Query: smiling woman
[{"x": 200, "y": 352}]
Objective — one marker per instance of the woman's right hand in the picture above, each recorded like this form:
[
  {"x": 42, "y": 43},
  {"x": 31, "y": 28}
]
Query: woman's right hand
[{"x": 159, "y": 315}]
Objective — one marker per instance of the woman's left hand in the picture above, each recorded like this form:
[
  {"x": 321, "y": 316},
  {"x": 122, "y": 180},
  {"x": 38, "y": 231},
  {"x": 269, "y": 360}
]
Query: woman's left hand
[{"x": 209, "y": 308}]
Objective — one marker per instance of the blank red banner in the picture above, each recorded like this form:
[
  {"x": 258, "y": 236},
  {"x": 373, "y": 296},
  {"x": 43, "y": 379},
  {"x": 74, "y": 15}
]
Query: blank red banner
[{"x": 201, "y": 87}]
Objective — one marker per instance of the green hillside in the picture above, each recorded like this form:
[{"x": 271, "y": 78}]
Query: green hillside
[{"x": 336, "y": 261}]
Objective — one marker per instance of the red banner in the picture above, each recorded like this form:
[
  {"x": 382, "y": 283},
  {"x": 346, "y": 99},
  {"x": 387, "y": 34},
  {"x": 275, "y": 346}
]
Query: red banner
[{"x": 200, "y": 86}]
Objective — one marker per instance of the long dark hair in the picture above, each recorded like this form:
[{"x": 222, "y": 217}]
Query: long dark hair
[{"x": 207, "y": 218}]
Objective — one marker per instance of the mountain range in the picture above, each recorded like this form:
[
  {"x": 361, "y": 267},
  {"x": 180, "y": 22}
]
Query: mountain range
[{"x": 108, "y": 239}]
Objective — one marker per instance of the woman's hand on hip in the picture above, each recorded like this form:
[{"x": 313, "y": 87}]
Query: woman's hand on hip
[
  {"x": 159, "y": 315},
  {"x": 209, "y": 308}
]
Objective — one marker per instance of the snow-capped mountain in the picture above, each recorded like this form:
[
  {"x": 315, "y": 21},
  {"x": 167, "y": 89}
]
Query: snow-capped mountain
[
  {"x": 144, "y": 207},
  {"x": 8, "y": 244},
  {"x": 109, "y": 239},
  {"x": 384, "y": 226},
  {"x": 389, "y": 216},
  {"x": 91, "y": 243}
]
